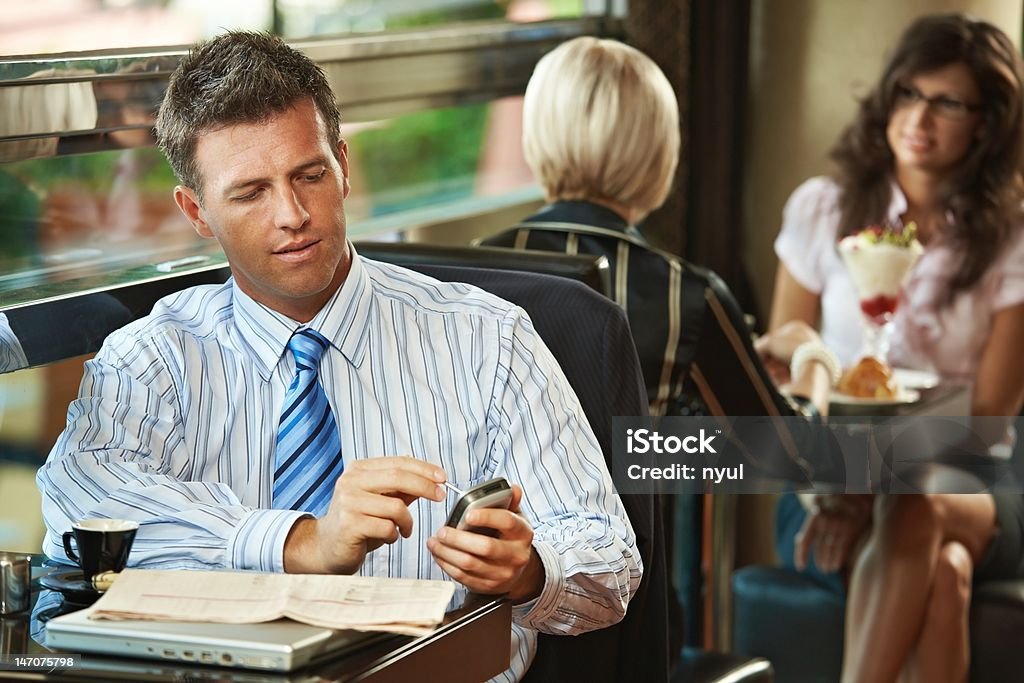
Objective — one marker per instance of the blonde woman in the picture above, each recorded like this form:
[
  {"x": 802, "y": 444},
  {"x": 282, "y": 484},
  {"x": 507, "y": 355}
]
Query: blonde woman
[{"x": 601, "y": 135}]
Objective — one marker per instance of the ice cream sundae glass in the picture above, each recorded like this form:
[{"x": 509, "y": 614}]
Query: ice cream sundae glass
[{"x": 879, "y": 259}]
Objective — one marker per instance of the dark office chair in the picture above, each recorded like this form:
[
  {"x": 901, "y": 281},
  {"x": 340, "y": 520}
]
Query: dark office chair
[
  {"x": 92, "y": 317},
  {"x": 590, "y": 338},
  {"x": 590, "y": 270}
]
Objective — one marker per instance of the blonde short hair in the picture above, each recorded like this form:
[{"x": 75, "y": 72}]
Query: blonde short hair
[{"x": 601, "y": 122}]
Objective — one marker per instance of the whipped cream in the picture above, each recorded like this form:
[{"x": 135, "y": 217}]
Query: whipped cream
[{"x": 878, "y": 269}]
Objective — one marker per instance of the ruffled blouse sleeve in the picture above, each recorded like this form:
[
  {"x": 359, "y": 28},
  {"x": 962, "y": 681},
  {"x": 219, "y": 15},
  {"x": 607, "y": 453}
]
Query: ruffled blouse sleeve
[{"x": 809, "y": 228}]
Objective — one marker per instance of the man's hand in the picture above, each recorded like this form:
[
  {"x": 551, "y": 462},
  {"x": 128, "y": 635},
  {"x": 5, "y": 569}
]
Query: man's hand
[
  {"x": 833, "y": 527},
  {"x": 506, "y": 564},
  {"x": 369, "y": 508}
]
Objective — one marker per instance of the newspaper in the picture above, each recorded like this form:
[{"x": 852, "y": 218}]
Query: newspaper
[{"x": 363, "y": 603}]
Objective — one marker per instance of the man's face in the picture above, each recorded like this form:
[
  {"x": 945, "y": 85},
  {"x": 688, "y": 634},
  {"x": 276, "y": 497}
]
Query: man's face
[{"x": 274, "y": 199}]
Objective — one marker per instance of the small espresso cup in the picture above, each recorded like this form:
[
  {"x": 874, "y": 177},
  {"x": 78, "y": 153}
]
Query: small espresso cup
[{"x": 103, "y": 544}]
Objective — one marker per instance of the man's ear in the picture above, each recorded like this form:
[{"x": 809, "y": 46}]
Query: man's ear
[
  {"x": 188, "y": 202},
  {"x": 343, "y": 160}
]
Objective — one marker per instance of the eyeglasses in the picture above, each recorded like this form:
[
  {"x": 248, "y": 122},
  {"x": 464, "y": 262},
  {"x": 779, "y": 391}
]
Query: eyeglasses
[{"x": 946, "y": 107}]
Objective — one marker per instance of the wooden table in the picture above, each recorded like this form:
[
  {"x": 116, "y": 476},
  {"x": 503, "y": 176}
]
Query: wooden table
[{"x": 472, "y": 645}]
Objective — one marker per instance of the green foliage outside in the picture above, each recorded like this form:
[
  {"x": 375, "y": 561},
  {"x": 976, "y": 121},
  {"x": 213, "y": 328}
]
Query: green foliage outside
[
  {"x": 431, "y": 157},
  {"x": 422, "y": 158},
  {"x": 427, "y": 157},
  {"x": 94, "y": 172}
]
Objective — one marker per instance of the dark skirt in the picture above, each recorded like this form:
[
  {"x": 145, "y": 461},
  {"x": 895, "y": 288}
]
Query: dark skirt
[{"x": 1004, "y": 558}]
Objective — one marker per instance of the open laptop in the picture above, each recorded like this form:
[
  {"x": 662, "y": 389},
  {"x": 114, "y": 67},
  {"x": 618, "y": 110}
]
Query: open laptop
[{"x": 281, "y": 645}]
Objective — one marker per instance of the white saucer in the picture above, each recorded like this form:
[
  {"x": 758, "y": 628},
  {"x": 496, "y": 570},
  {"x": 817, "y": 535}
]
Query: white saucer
[
  {"x": 915, "y": 379},
  {"x": 903, "y": 397}
]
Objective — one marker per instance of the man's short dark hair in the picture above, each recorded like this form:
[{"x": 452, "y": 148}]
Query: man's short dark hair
[{"x": 239, "y": 77}]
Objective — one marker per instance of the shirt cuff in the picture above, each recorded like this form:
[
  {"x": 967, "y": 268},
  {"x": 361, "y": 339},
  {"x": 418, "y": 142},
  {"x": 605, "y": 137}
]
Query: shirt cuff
[
  {"x": 537, "y": 612},
  {"x": 258, "y": 542}
]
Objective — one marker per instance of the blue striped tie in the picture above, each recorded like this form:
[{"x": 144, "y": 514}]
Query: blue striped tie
[{"x": 308, "y": 458}]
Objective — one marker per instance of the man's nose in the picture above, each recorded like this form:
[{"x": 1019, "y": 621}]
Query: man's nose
[{"x": 289, "y": 212}]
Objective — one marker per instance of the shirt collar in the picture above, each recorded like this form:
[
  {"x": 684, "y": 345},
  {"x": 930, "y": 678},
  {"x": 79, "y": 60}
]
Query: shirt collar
[
  {"x": 898, "y": 207},
  {"x": 897, "y": 204},
  {"x": 263, "y": 333},
  {"x": 582, "y": 212},
  {"x": 585, "y": 213}
]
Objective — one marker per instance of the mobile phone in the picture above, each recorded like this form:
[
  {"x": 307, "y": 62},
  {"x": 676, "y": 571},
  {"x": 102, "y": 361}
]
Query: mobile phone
[{"x": 495, "y": 493}]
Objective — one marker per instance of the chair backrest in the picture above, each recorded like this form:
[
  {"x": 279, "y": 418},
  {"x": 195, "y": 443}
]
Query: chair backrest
[
  {"x": 587, "y": 268},
  {"x": 590, "y": 338}
]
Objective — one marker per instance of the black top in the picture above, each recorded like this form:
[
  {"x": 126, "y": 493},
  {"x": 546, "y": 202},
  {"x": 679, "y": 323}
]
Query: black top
[{"x": 689, "y": 331}]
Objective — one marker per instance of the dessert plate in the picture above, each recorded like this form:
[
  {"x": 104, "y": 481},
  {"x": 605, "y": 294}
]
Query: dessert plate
[
  {"x": 915, "y": 379},
  {"x": 903, "y": 397}
]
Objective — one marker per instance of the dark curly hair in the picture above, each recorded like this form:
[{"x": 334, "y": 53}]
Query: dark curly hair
[
  {"x": 238, "y": 77},
  {"x": 984, "y": 194}
]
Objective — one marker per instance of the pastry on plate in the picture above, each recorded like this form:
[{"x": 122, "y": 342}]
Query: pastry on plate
[{"x": 869, "y": 378}]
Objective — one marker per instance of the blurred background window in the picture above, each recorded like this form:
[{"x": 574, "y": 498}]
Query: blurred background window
[
  {"x": 110, "y": 214},
  {"x": 51, "y": 26}
]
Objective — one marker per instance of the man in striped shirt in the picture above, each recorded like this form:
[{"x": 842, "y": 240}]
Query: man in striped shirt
[{"x": 177, "y": 416}]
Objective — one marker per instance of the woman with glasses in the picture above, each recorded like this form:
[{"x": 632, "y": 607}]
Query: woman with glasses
[{"x": 938, "y": 141}]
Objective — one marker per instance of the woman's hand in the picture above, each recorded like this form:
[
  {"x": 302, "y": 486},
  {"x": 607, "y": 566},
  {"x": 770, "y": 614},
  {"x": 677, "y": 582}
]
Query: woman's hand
[
  {"x": 778, "y": 346},
  {"x": 832, "y": 529}
]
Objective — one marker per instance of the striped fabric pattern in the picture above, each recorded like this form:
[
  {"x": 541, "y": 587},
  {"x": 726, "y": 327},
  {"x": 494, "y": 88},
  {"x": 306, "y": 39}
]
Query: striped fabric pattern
[
  {"x": 308, "y": 447},
  {"x": 12, "y": 356},
  {"x": 653, "y": 310},
  {"x": 690, "y": 334},
  {"x": 177, "y": 418}
]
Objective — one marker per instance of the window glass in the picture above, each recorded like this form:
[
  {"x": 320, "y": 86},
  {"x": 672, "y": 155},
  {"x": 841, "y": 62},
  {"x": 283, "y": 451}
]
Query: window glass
[
  {"x": 435, "y": 158},
  {"x": 39, "y": 28},
  {"x": 297, "y": 18},
  {"x": 73, "y": 25},
  {"x": 78, "y": 216},
  {"x": 109, "y": 214}
]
